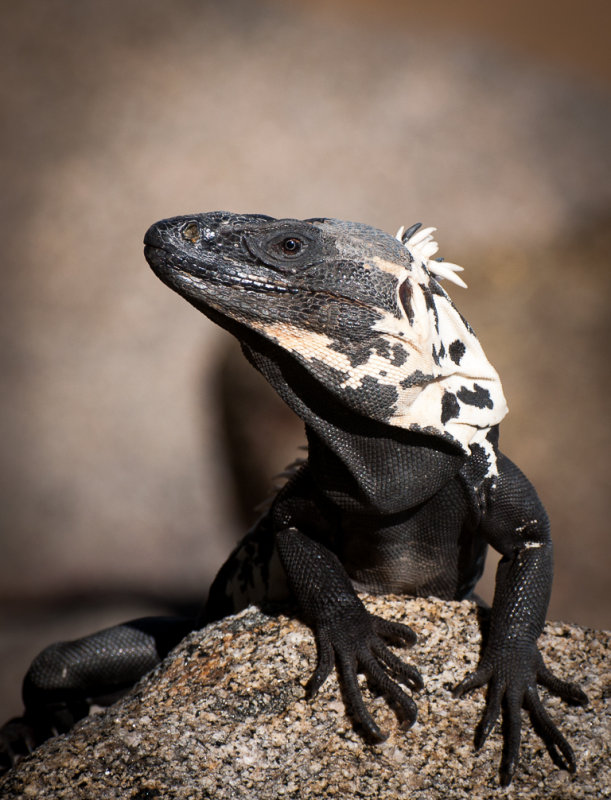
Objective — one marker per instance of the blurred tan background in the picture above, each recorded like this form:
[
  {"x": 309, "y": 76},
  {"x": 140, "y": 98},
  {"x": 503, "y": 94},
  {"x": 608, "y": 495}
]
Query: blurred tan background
[{"x": 135, "y": 439}]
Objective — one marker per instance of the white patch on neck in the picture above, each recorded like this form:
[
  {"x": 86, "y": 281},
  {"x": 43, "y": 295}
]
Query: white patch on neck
[{"x": 443, "y": 347}]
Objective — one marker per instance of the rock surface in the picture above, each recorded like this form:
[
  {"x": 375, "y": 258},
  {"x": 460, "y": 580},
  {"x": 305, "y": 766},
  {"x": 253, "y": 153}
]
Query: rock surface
[{"x": 225, "y": 717}]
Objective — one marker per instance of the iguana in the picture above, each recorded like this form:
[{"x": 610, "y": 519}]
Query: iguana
[{"x": 403, "y": 489}]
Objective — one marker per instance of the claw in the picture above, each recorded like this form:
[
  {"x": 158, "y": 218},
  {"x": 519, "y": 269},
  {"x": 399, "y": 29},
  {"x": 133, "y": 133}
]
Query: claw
[
  {"x": 324, "y": 664},
  {"x": 507, "y": 772},
  {"x": 404, "y": 673},
  {"x": 558, "y": 747},
  {"x": 511, "y": 739},
  {"x": 394, "y": 632},
  {"x": 473, "y": 681},
  {"x": 18, "y": 738},
  {"x": 354, "y": 699},
  {"x": 490, "y": 716},
  {"x": 569, "y": 692},
  {"x": 404, "y": 704}
]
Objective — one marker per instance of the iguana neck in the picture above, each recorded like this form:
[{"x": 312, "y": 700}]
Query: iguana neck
[{"x": 346, "y": 450}]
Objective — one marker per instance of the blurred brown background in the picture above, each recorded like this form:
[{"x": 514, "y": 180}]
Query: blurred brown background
[{"x": 135, "y": 439}]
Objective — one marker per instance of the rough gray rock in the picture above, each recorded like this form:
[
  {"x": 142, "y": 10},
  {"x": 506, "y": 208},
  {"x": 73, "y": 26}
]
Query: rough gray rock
[{"x": 225, "y": 717}]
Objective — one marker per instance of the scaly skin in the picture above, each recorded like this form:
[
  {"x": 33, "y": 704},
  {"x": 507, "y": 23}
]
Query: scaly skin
[{"x": 403, "y": 489}]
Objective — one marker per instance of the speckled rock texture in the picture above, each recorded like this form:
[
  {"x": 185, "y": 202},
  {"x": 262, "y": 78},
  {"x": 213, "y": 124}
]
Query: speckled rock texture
[{"x": 225, "y": 717}]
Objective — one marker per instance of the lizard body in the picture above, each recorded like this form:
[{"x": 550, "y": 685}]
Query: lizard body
[{"x": 404, "y": 486}]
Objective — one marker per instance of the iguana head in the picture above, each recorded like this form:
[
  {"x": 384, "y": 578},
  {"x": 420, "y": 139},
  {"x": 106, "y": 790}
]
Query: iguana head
[{"x": 359, "y": 309}]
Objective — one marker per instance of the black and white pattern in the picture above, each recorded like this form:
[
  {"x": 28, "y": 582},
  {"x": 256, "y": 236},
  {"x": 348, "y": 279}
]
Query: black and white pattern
[
  {"x": 421, "y": 358},
  {"x": 470, "y": 390}
]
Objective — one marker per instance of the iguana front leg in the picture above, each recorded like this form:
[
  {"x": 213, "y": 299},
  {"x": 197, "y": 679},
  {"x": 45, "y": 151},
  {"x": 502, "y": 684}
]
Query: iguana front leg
[
  {"x": 346, "y": 634},
  {"x": 516, "y": 525}
]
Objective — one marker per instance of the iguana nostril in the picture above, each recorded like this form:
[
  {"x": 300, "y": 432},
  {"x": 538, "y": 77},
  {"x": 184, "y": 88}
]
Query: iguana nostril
[{"x": 191, "y": 232}]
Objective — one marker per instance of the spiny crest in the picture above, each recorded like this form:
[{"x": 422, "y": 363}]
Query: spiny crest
[{"x": 422, "y": 246}]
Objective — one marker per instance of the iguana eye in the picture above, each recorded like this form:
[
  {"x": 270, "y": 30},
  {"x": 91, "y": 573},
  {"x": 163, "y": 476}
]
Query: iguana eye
[
  {"x": 191, "y": 232},
  {"x": 286, "y": 245},
  {"x": 292, "y": 246}
]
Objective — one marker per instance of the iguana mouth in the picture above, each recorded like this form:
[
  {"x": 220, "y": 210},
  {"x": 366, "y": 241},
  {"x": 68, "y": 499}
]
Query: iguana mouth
[
  {"x": 160, "y": 260},
  {"x": 214, "y": 278}
]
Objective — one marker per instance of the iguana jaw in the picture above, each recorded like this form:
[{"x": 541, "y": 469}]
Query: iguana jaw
[{"x": 197, "y": 281}]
